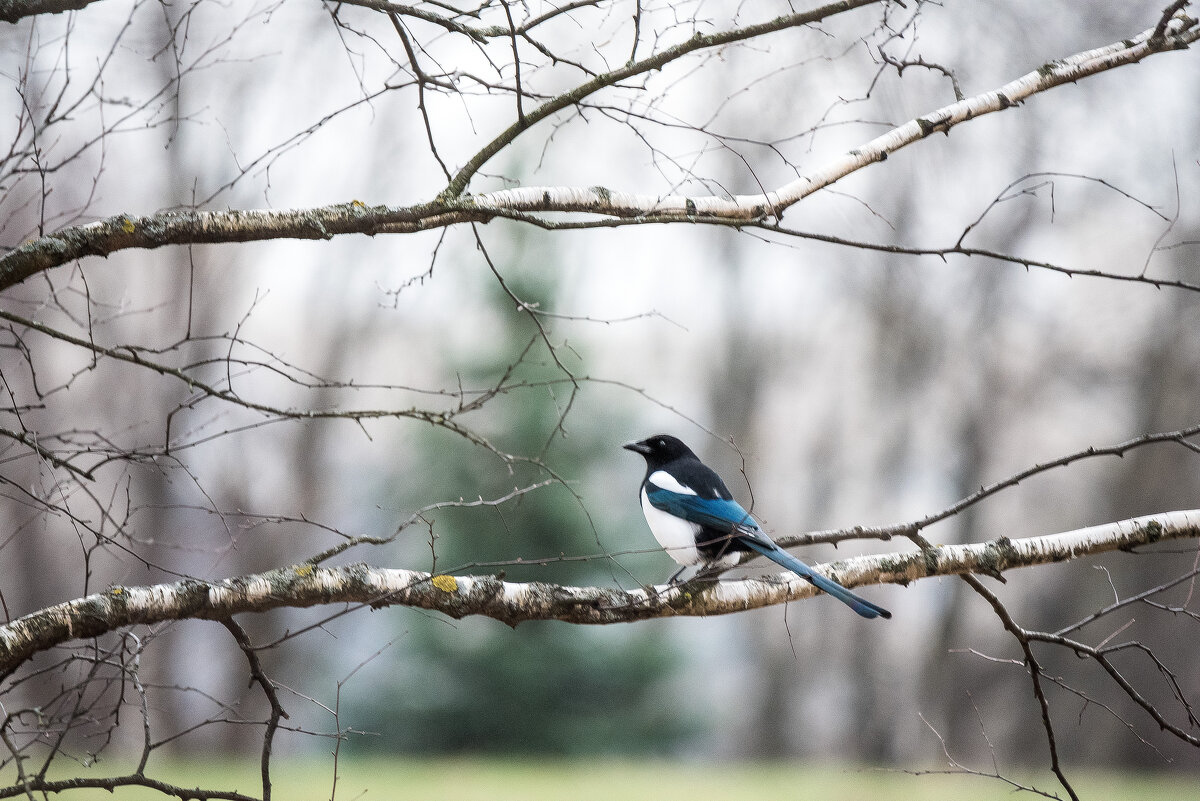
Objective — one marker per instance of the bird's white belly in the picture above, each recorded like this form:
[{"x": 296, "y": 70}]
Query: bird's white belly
[{"x": 676, "y": 536}]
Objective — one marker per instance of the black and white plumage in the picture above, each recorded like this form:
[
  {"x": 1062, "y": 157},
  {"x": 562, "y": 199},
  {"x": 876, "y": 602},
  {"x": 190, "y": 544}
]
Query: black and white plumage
[{"x": 694, "y": 517}]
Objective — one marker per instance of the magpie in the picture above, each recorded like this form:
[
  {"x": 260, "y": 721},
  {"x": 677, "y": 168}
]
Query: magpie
[{"x": 695, "y": 518}]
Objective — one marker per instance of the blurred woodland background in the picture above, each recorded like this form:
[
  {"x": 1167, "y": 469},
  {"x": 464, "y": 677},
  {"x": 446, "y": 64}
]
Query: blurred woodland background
[{"x": 865, "y": 372}]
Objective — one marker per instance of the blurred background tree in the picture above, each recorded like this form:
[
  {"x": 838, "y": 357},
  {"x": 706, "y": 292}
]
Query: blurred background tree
[
  {"x": 976, "y": 304},
  {"x": 478, "y": 686}
]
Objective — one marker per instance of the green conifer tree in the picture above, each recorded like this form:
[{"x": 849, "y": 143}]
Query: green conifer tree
[{"x": 477, "y": 686}]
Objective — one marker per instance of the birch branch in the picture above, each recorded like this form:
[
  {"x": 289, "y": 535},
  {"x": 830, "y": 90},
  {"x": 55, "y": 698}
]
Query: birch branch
[
  {"x": 1177, "y": 34},
  {"x": 123, "y": 231},
  {"x": 512, "y": 603}
]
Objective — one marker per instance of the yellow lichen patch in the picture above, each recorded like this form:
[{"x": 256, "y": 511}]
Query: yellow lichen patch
[
  {"x": 127, "y": 225},
  {"x": 445, "y": 583},
  {"x": 304, "y": 570},
  {"x": 358, "y": 204},
  {"x": 116, "y": 590}
]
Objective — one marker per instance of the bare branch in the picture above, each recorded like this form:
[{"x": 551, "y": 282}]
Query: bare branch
[
  {"x": 460, "y": 596},
  {"x": 123, "y": 232},
  {"x": 259, "y": 676},
  {"x": 1181, "y": 32},
  {"x": 15, "y": 10},
  {"x": 1035, "y": 678}
]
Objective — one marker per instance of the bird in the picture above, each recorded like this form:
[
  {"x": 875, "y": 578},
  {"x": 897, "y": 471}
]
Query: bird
[{"x": 694, "y": 517}]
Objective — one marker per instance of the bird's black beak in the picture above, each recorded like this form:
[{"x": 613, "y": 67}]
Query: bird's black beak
[{"x": 637, "y": 447}]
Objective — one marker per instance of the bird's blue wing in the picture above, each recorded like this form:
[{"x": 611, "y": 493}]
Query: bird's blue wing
[
  {"x": 727, "y": 515},
  {"x": 714, "y": 513}
]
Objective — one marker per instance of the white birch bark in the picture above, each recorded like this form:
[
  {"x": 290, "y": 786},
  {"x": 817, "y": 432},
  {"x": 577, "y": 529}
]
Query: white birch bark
[
  {"x": 125, "y": 231},
  {"x": 512, "y": 602}
]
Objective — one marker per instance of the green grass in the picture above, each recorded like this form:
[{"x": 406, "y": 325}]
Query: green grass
[{"x": 606, "y": 779}]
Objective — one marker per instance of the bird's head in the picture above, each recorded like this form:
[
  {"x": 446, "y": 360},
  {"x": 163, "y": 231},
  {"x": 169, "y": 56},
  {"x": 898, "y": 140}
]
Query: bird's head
[{"x": 659, "y": 449}]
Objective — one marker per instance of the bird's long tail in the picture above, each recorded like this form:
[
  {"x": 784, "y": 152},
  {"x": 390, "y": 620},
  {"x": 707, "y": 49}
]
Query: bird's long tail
[{"x": 785, "y": 559}]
